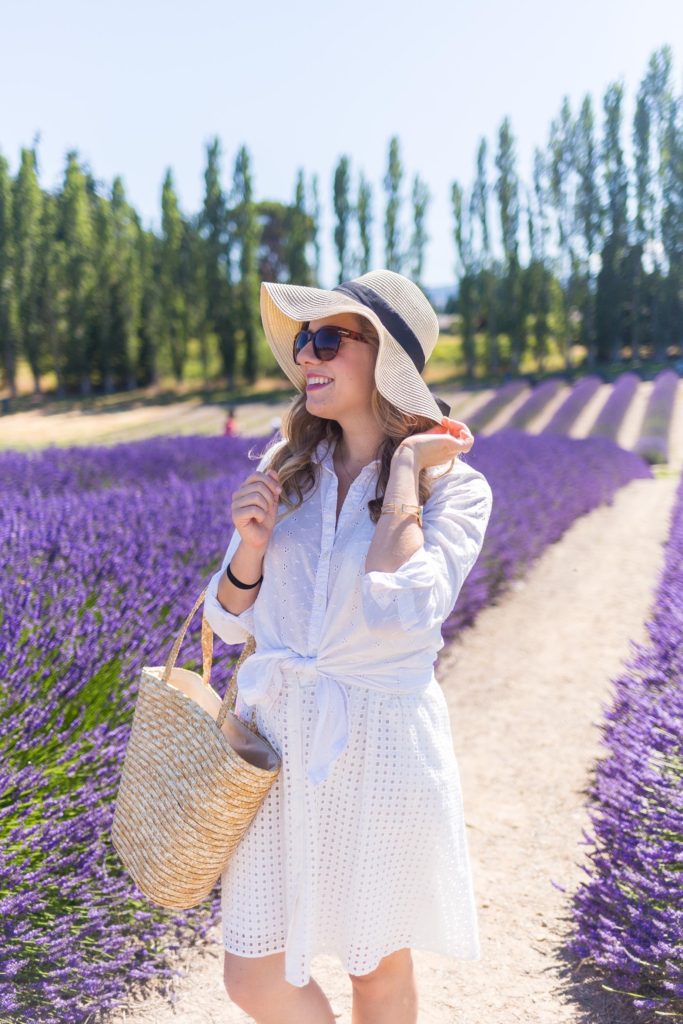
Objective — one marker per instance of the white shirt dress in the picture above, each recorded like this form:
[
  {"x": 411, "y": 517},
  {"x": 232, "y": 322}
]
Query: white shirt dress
[{"x": 359, "y": 848}]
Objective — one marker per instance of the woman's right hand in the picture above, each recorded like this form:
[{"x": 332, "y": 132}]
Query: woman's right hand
[{"x": 254, "y": 508}]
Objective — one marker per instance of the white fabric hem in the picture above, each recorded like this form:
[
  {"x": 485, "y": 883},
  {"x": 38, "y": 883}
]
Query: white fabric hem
[{"x": 419, "y": 947}]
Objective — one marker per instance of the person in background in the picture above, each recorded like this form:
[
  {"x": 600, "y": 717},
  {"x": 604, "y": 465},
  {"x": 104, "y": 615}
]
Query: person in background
[{"x": 230, "y": 428}]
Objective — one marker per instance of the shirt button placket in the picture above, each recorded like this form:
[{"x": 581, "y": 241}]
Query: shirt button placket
[{"x": 326, "y": 542}]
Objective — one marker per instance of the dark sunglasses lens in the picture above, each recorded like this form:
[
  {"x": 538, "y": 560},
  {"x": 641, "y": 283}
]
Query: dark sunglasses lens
[
  {"x": 327, "y": 342},
  {"x": 300, "y": 342}
]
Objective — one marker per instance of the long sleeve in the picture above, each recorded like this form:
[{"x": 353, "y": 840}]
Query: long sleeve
[
  {"x": 233, "y": 629},
  {"x": 422, "y": 592}
]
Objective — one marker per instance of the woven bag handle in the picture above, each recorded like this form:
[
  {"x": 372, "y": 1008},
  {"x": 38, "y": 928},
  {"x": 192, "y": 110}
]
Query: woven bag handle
[
  {"x": 207, "y": 645},
  {"x": 230, "y": 698}
]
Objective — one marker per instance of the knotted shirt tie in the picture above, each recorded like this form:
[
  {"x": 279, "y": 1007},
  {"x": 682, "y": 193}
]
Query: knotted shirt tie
[{"x": 260, "y": 680}]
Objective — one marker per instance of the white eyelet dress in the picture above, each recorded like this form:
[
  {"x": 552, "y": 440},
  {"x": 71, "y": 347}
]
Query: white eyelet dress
[{"x": 359, "y": 848}]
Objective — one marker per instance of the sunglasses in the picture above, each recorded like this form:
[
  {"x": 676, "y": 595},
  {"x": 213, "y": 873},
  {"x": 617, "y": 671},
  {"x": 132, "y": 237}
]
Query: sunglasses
[{"x": 326, "y": 341}]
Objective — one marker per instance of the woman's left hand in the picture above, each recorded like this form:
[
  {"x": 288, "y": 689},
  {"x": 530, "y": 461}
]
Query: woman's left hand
[{"x": 440, "y": 444}]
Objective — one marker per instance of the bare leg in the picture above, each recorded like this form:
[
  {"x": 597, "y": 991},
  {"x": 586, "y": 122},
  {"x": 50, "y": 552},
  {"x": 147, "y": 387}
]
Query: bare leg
[
  {"x": 387, "y": 995},
  {"x": 257, "y": 985}
]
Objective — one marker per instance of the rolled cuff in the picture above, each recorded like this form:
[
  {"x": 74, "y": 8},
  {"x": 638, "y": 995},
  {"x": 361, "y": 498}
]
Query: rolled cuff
[
  {"x": 233, "y": 629},
  {"x": 422, "y": 592},
  {"x": 409, "y": 597}
]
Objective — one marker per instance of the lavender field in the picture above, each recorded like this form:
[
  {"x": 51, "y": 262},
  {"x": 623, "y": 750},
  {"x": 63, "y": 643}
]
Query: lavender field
[
  {"x": 104, "y": 551},
  {"x": 629, "y": 912}
]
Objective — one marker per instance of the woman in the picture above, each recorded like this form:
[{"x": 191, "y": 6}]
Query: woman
[{"x": 349, "y": 551}]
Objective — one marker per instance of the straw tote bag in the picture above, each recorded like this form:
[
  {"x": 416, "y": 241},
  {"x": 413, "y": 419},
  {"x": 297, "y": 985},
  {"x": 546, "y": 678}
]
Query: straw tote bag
[{"x": 194, "y": 775}]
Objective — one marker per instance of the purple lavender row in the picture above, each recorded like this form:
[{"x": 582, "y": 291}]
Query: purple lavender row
[
  {"x": 566, "y": 416},
  {"x": 102, "y": 553},
  {"x": 538, "y": 400},
  {"x": 611, "y": 417},
  {"x": 628, "y": 915},
  {"x": 55, "y": 470},
  {"x": 503, "y": 395},
  {"x": 653, "y": 443}
]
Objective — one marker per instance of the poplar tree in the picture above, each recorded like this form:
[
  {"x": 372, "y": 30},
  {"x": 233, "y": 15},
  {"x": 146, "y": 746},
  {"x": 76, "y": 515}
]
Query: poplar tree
[
  {"x": 642, "y": 221},
  {"x": 507, "y": 191},
  {"x": 420, "y": 197},
  {"x": 393, "y": 258},
  {"x": 611, "y": 292},
  {"x": 198, "y": 319},
  {"x": 273, "y": 260},
  {"x": 463, "y": 235},
  {"x": 99, "y": 371},
  {"x": 109, "y": 330},
  {"x": 562, "y": 177},
  {"x": 50, "y": 270},
  {"x": 27, "y": 205},
  {"x": 343, "y": 211},
  {"x": 539, "y": 249},
  {"x": 172, "y": 299},
  {"x": 588, "y": 214},
  {"x": 485, "y": 267},
  {"x": 126, "y": 286},
  {"x": 190, "y": 279},
  {"x": 150, "y": 326},
  {"x": 658, "y": 96},
  {"x": 315, "y": 233},
  {"x": 247, "y": 234},
  {"x": 8, "y": 309},
  {"x": 217, "y": 259},
  {"x": 298, "y": 234},
  {"x": 365, "y": 220},
  {"x": 77, "y": 234},
  {"x": 672, "y": 225}
]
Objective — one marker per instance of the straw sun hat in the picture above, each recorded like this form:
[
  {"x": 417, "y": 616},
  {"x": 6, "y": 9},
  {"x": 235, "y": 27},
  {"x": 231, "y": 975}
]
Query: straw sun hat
[{"x": 400, "y": 312}]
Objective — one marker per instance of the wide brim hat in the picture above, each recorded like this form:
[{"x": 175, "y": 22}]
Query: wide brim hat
[{"x": 398, "y": 309}]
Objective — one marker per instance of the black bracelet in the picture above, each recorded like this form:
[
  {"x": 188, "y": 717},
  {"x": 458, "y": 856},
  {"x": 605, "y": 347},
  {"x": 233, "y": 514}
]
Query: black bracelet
[{"x": 238, "y": 583}]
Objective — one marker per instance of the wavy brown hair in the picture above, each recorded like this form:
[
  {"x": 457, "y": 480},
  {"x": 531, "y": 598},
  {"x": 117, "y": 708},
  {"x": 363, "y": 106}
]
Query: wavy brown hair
[{"x": 304, "y": 431}]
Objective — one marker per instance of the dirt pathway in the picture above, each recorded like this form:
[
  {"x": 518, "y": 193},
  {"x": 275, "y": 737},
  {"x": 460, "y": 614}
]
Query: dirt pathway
[{"x": 526, "y": 688}]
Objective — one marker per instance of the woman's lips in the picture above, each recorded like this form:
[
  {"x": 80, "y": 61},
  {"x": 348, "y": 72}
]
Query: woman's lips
[{"x": 316, "y": 387}]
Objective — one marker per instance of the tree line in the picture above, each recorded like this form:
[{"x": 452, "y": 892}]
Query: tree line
[
  {"x": 605, "y": 241},
  {"x": 89, "y": 293}
]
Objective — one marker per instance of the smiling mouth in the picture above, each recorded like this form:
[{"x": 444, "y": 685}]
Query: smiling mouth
[{"x": 316, "y": 387}]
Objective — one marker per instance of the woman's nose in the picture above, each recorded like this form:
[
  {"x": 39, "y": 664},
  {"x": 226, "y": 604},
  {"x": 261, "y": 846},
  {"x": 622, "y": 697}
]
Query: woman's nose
[{"x": 307, "y": 353}]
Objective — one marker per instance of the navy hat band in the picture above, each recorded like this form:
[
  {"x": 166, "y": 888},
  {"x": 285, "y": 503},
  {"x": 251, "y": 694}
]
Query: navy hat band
[{"x": 392, "y": 320}]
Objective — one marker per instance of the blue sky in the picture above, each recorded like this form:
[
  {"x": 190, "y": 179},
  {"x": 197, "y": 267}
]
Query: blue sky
[{"x": 136, "y": 87}]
